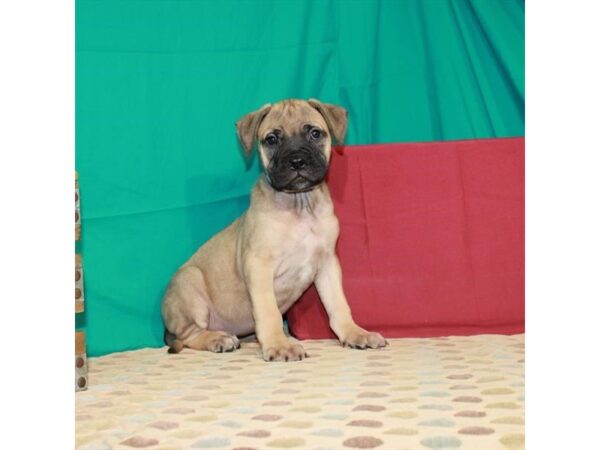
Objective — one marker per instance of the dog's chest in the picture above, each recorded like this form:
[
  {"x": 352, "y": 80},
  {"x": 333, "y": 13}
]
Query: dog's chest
[{"x": 296, "y": 266}]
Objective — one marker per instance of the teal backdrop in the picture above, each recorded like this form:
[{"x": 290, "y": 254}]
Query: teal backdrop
[{"x": 160, "y": 84}]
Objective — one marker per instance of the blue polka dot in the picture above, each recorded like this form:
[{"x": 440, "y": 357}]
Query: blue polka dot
[
  {"x": 140, "y": 418},
  {"x": 331, "y": 432},
  {"x": 440, "y": 422},
  {"x": 96, "y": 447},
  {"x": 435, "y": 394},
  {"x": 212, "y": 442},
  {"x": 242, "y": 410},
  {"x": 436, "y": 407},
  {"x": 230, "y": 424}
]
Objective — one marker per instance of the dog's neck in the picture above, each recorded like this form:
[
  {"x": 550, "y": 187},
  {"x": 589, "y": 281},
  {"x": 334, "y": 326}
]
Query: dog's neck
[{"x": 299, "y": 202}]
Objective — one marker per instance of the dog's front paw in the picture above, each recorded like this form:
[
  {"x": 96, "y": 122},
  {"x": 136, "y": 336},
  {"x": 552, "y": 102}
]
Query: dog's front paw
[
  {"x": 284, "y": 352},
  {"x": 361, "y": 339}
]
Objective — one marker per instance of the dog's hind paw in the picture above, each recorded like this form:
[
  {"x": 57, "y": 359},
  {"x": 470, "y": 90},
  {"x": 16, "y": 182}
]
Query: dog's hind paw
[{"x": 223, "y": 343}]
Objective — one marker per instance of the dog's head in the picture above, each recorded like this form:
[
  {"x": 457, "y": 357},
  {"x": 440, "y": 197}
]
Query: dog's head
[{"x": 294, "y": 140}]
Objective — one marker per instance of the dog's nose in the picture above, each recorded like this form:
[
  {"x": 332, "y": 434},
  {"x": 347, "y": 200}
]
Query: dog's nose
[{"x": 297, "y": 163}]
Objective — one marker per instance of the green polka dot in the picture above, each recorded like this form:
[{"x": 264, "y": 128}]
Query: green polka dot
[
  {"x": 497, "y": 391},
  {"x": 286, "y": 442},
  {"x": 509, "y": 420},
  {"x": 514, "y": 441},
  {"x": 503, "y": 405},
  {"x": 402, "y": 431},
  {"x": 404, "y": 400},
  {"x": 205, "y": 418},
  {"x": 216, "y": 404},
  {"x": 442, "y": 442},
  {"x": 403, "y": 414},
  {"x": 306, "y": 409},
  {"x": 186, "y": 434}
]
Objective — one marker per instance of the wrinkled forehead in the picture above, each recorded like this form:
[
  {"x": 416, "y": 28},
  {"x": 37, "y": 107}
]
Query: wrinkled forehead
[{"x": 291, "y": 117}]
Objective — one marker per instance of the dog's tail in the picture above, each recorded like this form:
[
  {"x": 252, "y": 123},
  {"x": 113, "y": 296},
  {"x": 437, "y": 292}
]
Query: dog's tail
[{"x": 175, "y": 345}]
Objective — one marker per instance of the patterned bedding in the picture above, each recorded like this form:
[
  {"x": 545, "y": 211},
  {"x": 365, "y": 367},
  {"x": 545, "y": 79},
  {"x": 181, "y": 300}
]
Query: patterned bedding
[{"x": 438, "y": 393}]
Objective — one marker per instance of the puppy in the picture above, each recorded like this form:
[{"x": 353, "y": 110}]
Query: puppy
[{"x": 245, "y": 277}]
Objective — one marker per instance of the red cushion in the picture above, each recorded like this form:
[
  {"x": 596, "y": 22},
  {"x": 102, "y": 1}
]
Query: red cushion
[{"x": 432, "y": 239}]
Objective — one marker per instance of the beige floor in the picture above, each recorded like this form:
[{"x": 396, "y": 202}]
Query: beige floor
[{"x": 444, "y": 393}]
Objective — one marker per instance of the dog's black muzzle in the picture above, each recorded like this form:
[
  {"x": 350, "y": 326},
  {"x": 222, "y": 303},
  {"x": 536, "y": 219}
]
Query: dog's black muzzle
[{"x": 297, "y": 166}]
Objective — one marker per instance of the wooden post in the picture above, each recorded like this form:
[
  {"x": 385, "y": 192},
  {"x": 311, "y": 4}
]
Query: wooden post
[
  {"x": 77, "y": 210},
  {"x": 78, "y": 284},
  {"x": 81, "y": 378}
]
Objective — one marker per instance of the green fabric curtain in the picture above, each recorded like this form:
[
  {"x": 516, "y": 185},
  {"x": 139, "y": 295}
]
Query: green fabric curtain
[{"x": 159, "y": 85}]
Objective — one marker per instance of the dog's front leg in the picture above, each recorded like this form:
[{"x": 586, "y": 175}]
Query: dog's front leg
[
  {"x": 328, "y": 282},
  {"x": 275, "y": 345}
]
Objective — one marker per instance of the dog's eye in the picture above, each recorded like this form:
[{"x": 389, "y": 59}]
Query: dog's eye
[
  {"x": 271, "y": 140},
  {"x": 315, "y": 134}
]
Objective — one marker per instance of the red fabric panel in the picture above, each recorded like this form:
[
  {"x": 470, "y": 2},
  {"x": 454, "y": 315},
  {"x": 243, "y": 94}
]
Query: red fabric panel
[{"x": 432, "y": 239}]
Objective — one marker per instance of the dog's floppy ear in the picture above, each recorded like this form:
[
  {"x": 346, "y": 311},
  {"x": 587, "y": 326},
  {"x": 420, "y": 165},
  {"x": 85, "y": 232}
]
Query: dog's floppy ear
[
  {"x": 335, "y": 116},
  {"x": 247, "y": 127}
]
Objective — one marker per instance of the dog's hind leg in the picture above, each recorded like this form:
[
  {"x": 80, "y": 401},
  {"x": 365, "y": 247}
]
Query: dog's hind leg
[
  {"x": 214, "y": 341},
  {"x": 175, "y": 345},
  {"x": 196, "y": 336},
  {"x": 187, "y": 316}
]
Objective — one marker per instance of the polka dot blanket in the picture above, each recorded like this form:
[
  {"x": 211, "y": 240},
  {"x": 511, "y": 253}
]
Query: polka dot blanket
[{"x": 439, "y": 393}]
